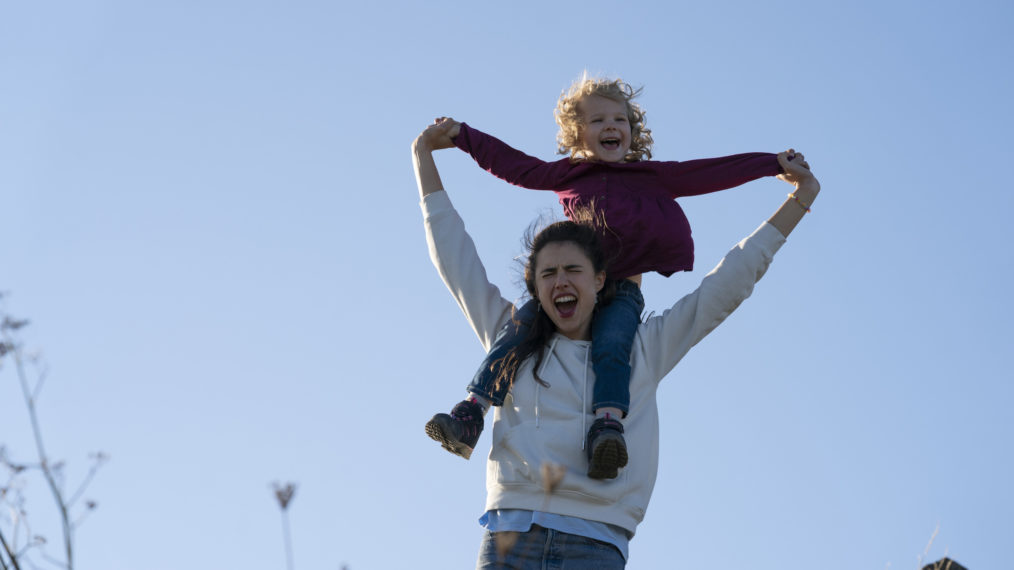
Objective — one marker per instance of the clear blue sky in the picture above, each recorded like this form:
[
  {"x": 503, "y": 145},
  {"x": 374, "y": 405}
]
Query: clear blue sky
[{"x": 208, "y": 211}]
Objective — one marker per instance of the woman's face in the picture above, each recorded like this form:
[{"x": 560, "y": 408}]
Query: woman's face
[{"x": 566, "y": 286}]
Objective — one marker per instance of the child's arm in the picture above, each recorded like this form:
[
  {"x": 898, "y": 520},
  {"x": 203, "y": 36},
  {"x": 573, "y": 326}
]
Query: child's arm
[
  {"x": 667, "y": 338},
  {"x": 695, "y": 177},
  {"x": 509, "y": 164}
]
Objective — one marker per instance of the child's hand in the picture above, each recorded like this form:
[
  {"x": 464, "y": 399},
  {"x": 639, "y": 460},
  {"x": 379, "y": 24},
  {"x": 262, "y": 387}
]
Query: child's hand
[
  {"x": 453, "y": 127},
  {"x": 796, "y": 170},
  {"x": 440, "y": 134}
]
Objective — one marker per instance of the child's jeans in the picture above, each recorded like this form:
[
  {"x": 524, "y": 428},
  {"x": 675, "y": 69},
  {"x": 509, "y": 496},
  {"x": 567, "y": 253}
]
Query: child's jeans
[{"x": 613, "y": 330}]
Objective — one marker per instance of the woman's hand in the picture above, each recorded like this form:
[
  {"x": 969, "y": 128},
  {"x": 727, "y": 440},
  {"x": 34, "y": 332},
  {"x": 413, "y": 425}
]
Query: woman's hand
[
  {"x": 438, "y": 135},
  {"x": 796, "y": 171}
]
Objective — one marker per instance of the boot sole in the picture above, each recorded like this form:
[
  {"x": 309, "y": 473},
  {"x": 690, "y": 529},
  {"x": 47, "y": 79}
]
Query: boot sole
[
  {"x": 608, "y": 457},
  {"x": 437, "y": 432}
]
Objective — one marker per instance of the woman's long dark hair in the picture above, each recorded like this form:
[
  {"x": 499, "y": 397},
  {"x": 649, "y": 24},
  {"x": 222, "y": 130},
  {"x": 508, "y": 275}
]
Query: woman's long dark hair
[{"x": 541, "y": 328}]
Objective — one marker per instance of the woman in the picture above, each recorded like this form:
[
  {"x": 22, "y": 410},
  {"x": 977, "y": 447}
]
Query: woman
[{"x": 539, "y": 497}]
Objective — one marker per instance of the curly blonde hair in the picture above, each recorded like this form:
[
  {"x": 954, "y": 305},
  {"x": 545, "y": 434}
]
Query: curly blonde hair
[{"x": 568, "y": 116}]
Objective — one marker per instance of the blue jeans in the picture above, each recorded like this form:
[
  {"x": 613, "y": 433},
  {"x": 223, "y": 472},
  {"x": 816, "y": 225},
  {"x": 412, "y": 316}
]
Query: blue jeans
[
  {"x": 547, "y": 549},
  {"x": 613, "y": 331}
]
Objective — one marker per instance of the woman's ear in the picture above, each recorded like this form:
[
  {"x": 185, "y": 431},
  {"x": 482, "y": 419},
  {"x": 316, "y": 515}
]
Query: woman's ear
[{"x": 600, "y": 281}]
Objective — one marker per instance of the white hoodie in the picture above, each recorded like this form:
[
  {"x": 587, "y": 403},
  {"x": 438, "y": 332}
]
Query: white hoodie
[{"x": 540, "y": 425}]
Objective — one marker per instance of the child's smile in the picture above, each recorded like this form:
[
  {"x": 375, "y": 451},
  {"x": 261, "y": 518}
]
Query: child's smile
[{"x": 605, "y": 132}]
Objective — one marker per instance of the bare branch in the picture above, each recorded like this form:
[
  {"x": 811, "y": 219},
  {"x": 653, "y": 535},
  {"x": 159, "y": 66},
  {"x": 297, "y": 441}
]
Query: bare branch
[
  {"x": 284, "y": 497},
  {"x": 53, "y": 561},
  {"x": 40, "y": 380},
  {"x": 10, "y": 554},
  {"x": 97, "y": 460},
  {"x": 89, "y": 507},
  {"x": 35, "y": 542},
  {"x": 51, "y": 472},
  {"x": 47, "y": 472}
]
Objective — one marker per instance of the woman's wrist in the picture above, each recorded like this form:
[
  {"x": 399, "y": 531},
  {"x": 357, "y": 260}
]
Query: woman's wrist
[
  {"x": 795, "y": 206},
  {"x": 421, "y": 145},
  {"x": 427, "y": 176},
  {"x": 806, "y": 191},
  {"x": 804, "y": 205}
]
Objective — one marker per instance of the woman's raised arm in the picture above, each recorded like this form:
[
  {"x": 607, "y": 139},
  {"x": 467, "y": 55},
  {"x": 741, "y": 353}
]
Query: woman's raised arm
[
  {"x": 451, "y": 249},
  {"x": 435, "y": 137}
]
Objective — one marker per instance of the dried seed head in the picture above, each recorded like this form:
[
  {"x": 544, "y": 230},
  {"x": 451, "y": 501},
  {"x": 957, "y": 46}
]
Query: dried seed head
[
  {"x": 552, "y": 474},
  {"x": 99, "y": 456},
  {"x": 505, "y": 541},
  {"x": 10, "y": 324},
  {"x": 284, "y": 494}
]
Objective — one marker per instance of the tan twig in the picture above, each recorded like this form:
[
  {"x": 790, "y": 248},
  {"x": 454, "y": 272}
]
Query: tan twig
[{"x": 929, "y": 545}]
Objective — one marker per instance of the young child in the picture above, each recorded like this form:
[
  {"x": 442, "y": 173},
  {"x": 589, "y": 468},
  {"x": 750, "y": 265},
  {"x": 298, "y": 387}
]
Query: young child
[{"x": 641, "y": 226}]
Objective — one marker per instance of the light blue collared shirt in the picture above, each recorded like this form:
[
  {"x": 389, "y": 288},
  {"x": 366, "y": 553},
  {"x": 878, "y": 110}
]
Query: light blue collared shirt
[{"x": 518, "y": 520}]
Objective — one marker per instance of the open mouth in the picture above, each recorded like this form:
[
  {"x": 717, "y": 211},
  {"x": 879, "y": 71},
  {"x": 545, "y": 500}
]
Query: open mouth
[
  {"x": 610, "y": 143},
  {"x": 566, "y": 305}
]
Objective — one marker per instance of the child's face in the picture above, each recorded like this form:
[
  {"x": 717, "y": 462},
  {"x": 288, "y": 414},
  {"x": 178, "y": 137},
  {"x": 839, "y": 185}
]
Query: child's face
[{"x": 605, "y": 130}]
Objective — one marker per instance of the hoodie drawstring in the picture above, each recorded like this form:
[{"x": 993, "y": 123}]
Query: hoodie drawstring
[
  {"x": 584, "y": 391},
  {"x": 538, "y": 385},
  {"x": 584, "y": 400}
]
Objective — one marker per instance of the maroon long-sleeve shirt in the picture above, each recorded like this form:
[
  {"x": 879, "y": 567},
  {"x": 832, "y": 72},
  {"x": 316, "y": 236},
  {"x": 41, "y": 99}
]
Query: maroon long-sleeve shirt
[{"x": 645, "y": 229}]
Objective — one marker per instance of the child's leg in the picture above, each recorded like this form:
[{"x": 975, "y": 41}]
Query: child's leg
[
  {"x": 613, "y": 334},
  {"x": 483, "y": 384},
  {"x": 459, "y": 431}
]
